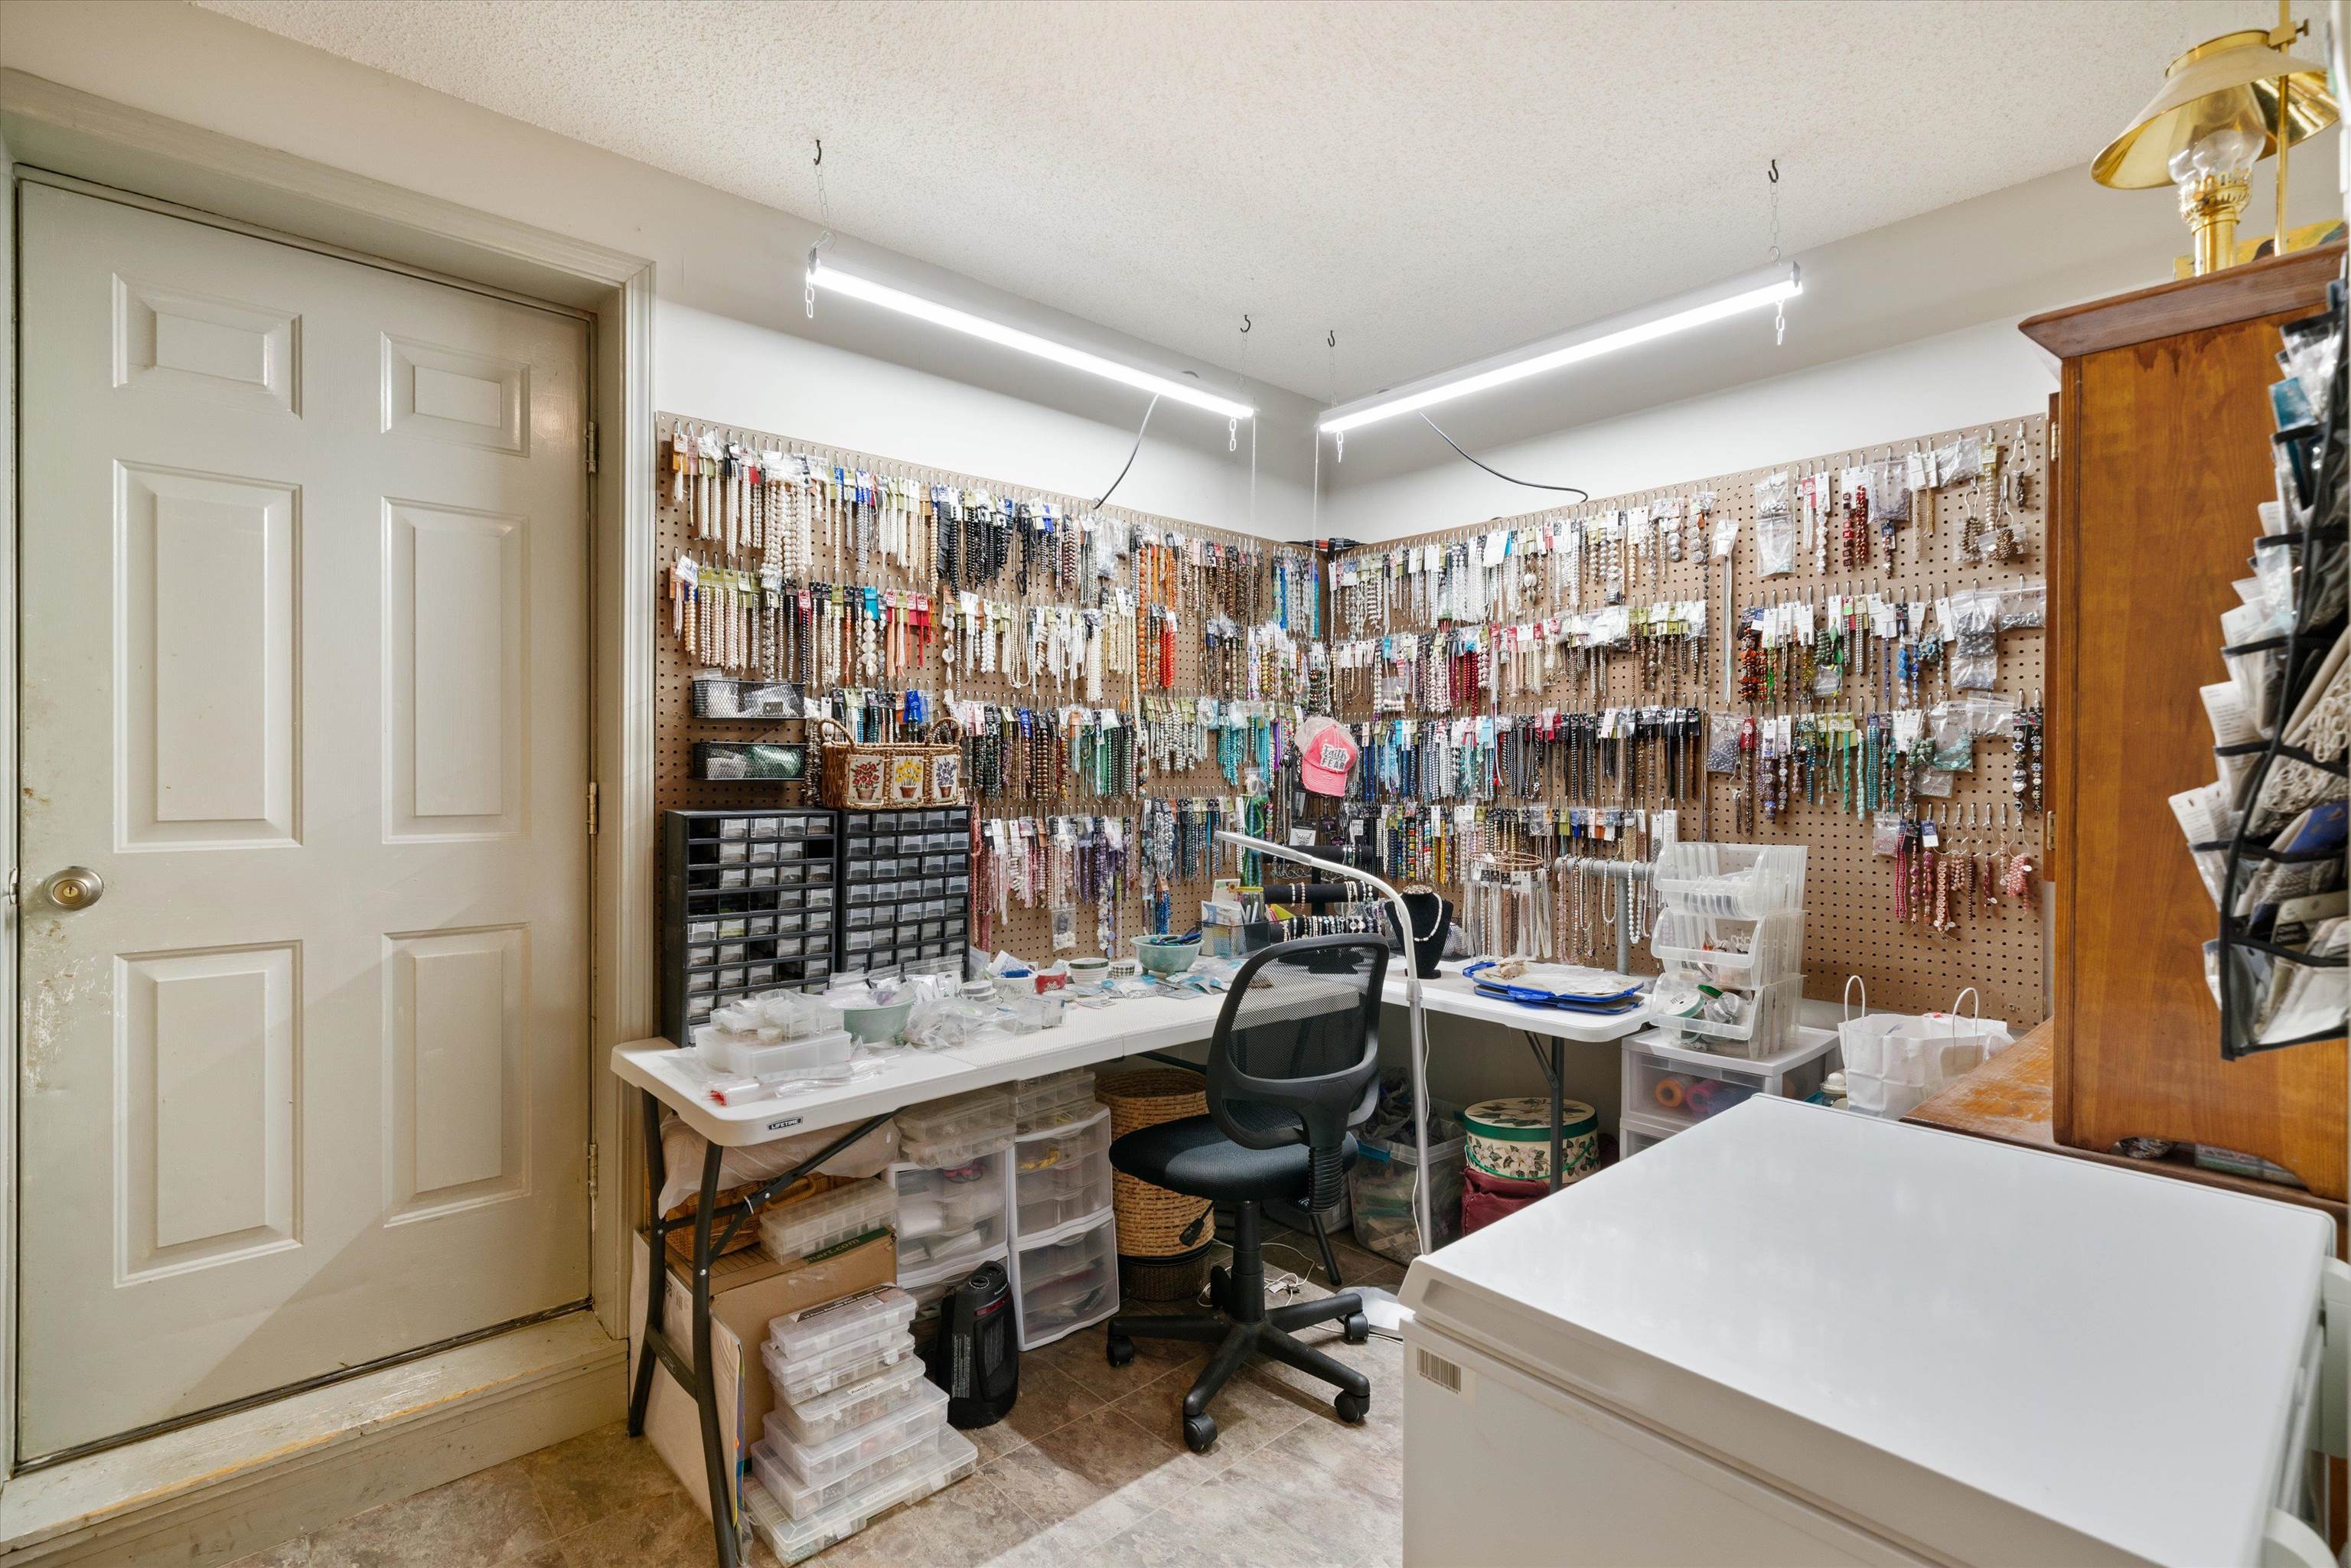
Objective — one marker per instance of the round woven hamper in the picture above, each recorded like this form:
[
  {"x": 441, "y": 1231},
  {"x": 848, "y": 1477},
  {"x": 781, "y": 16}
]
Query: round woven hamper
[{"x": 1163, "y": 1236}]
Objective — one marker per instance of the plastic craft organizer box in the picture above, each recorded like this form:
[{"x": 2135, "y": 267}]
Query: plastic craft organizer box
[
  {"x": 747, "y": 907},
  {"x": 906, "y": 878},
  {"x": 1671, "y": 1085},
  {"x": 1732, "y": 918}
]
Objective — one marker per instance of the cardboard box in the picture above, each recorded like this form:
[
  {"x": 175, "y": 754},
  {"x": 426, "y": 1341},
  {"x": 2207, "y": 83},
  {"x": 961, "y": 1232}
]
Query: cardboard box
[{"x": 746, "y": 1289}]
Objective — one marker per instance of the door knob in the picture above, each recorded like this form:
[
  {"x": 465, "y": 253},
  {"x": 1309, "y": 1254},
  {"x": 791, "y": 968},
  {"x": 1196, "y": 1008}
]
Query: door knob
[{"x": 76, "y": 887}]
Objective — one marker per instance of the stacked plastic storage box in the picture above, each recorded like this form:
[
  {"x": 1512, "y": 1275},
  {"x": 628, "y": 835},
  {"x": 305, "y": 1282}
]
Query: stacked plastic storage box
[
  {"x": 1065, "y": 1236},
  {"x": 857, "y": 1428},
  {"x": 953, "y": 1180},
  {"x": 1732, "y": 936}
]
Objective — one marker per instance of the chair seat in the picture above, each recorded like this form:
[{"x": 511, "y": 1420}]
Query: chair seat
[{"x": 1192, "y": 1156}]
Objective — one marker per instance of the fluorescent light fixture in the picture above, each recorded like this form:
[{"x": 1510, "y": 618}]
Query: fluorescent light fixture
[
  {"x": 824, "y": 275},
  {"x": 1751, "y": 292}
]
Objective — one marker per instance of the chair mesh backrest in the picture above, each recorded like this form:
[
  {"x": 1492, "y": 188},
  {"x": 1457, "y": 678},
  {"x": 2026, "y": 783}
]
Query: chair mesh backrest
[{"x": 1297, "y": 1061}]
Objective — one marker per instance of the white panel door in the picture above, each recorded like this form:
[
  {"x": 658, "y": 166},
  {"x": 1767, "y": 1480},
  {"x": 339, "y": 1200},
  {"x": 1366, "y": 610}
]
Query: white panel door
[{"x": 304, "y": 614}]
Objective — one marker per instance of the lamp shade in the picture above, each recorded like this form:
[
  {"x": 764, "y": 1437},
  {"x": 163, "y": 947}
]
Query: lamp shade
[{"x": 2229, "y": 83}]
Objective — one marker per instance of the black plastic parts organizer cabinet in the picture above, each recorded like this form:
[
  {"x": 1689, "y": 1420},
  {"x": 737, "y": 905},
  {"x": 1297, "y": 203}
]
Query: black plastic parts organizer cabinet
[
  {"x": 906, "y": 878},
  {"x": 748, "y": 905}
]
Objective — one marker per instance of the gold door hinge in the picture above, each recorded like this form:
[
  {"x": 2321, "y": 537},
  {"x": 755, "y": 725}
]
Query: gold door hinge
[
  {"x": 592, "y": 812},
  {"x": 591, "y": 446}
]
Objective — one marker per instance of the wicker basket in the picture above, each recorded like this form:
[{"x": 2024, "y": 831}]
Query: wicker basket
[
  {"x": 1163, "y": 1236},
  {"x": 889, "y": 775}
]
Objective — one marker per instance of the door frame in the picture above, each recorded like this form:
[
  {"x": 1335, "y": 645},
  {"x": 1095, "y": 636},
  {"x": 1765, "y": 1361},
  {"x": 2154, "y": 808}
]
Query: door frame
[{"x": 59, "y": 136}]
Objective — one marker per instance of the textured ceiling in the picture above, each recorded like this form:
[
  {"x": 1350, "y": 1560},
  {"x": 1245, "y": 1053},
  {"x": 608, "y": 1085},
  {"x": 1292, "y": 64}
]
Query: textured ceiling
[{"x": 1432, "y": 181}]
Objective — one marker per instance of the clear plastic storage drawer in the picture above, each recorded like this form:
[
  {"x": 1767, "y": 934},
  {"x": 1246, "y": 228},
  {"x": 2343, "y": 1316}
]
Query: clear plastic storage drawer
[
  {"x": 800, "y": 1501},
  {"x": 807, "y": 1338},
  {"x": 794, "y": 1540},
  {"x": 945, "y": 1214},
  {"x": 1067, "y": 1284},
  {"x": 804, "y": 1229},
  {"x": 842, "y": 1364},
  {"x": 950, "y": 1132},
  {"x": 1745, "y": 882},
  {"x": 827, "y": 1415},
  {"x": 1725, "y": 951},
  {"x": 1766, "y": 1024},
  {"x": 925, "y": 1409},
  {"x": 1673, "y": 1087},
  {"x": 1054, "y": 1100}
]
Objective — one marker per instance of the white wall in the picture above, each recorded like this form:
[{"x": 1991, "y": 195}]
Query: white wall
[
  {"x": 856, "y": 375},
  {"x": 736, "y": 372},
  {"x": 1968, "y": 376}
]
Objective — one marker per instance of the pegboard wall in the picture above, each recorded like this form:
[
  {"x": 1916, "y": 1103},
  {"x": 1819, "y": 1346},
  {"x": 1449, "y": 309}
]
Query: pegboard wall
[
  {"x": 1200, "y": 589},
  {"x": 1851, "y": 927}
]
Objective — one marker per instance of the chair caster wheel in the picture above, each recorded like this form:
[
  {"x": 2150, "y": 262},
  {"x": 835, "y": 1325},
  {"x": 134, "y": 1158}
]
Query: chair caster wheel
[
  {"x": 1200, "y": 1433},
  {"x": 1120, "y": 1350},
  {"x": 1352, "y": 1407},
  {"x": 1356, "y": 1327}
]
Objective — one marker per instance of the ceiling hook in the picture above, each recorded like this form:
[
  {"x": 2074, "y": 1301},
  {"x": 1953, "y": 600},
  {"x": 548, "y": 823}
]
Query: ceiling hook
[
  {"x": 1245, "y": 324},
  {"x": 1775, "y": 171},
  {"x": 819, "y": 154}
]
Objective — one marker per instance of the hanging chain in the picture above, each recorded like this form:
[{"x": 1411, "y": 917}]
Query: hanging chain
[
  {"x": 1780, "y": 308},
  {"x": 824, "y": 233},
  {"x": 1330, "y": 342}
]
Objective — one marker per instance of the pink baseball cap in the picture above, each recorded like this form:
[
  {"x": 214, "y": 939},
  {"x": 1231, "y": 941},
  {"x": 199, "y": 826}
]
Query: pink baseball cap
[{"x": 1324, "y": 756}]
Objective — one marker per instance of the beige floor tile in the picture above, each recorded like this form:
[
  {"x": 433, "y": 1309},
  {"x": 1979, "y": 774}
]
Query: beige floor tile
[
  {"x": 1248, "y": 1414},
  {"x": 294, "y": 1553},
  {"x": 667, "y": 1532},
  {"x": 489, "y": 1516},
  {"x": 1049, "y": 1399},
  {"x": 1235, "y": 1520},
  {"x": 1083, "y": 1357},
  {"x": 1096, "y": 1476},
  {"x": 597, "y": 1475}
]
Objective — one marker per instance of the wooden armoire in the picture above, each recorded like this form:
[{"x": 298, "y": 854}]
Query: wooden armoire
[{"x": 2161, "y": 454}]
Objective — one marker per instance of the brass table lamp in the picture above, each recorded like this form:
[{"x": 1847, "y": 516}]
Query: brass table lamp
[{"x": 2225, "y": 105}]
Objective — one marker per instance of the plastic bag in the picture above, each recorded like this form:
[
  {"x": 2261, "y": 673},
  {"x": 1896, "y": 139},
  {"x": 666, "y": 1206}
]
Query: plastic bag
[
  {"x": 683, "y": 1150},
  {"x": 2024, "y": 607},
  {"x": 1934, "y": 781},
  {"x": 1886, "y": 833},
  {"x": 1775, "y": 543},
  {"x": 1722, "y": 743},
  {"x": 1955, "y": 743}
]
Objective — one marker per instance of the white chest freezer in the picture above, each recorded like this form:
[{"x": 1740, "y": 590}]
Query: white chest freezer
[{"x": 1794, "y": 1335}]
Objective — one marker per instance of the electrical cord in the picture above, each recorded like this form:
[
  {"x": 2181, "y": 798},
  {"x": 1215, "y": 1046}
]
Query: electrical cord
[
  {"x": 1130, "y": 452},
  {"x": 1497, "y": 472}
]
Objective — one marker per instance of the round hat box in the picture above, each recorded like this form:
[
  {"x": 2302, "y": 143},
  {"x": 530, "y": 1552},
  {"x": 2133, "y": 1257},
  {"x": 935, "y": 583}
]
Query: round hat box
[{"x": 1511, "y": 1138}]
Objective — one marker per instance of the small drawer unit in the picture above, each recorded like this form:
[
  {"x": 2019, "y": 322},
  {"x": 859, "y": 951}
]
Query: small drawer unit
[
  {"x": 954, "y": 1182},
  {"x": 1053, "y": 1101},
  {"x": 1062, "y": 1175},
  {"x": 1669, "y": 1086},
  {"x": 1066, "y": 1280},
  {"x": 906, "y": 878},
  {"x": 747, "y": 909},
  {"x": 1637, "y": 1132}
]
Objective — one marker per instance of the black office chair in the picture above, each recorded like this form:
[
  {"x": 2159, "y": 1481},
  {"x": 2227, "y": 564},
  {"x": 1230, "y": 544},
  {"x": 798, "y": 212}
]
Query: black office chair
[{"x": 1290, "y": 1071}]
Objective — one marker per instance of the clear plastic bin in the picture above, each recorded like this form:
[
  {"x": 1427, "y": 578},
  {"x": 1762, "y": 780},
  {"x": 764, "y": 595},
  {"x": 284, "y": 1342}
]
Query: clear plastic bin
[
  {"x": 1671, "y": 1086},
  {"x": 1380, "y": 1187},
  {"x": 1063, "y": 1145},
  {"x": 952, "y": 1132},
  {"x": 1058, "y": 1195},
  {"x": 808, "y": 1337},
  {"x": 1054, "y": 1100},
  {"x": 1769, "y": 1029},
  {"x": 1634, "y": 1133},
  {"x": 800, "y": 1381},
  {"x": 827, "y": 1415},
  {"x": 925, "y": 1409},
  {"x": 804, "y": 1229},
  {"x": 1067, "y": 1284},
  {"x": 1726, "y": 952},
  {"x": 1745, "y": 882},
  {"x": 949, "y": 1213},
  {"x": 796, "y": 1539},
  {"x": 800, "y": 1501}
]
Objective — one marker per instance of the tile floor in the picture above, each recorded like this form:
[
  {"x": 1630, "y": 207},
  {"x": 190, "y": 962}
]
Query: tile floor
[{"x": 1089, "y": 1467}]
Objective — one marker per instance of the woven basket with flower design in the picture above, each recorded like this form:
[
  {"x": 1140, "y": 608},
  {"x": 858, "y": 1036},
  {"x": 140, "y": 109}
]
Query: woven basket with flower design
[{"x": 889, "y": 775}]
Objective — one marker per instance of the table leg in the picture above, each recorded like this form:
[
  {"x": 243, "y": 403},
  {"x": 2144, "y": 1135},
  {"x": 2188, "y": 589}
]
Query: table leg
[
  {"x": 719, "y": 1473},
  {"x": 1550, "y": 1058},
  {"x": 641, "y": 1389}
]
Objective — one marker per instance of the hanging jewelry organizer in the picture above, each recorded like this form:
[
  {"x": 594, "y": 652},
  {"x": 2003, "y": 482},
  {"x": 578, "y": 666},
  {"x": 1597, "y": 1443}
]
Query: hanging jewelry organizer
[
  {"x": 1204, "y": 654},
  {"x": 1977, "y": 923}
]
